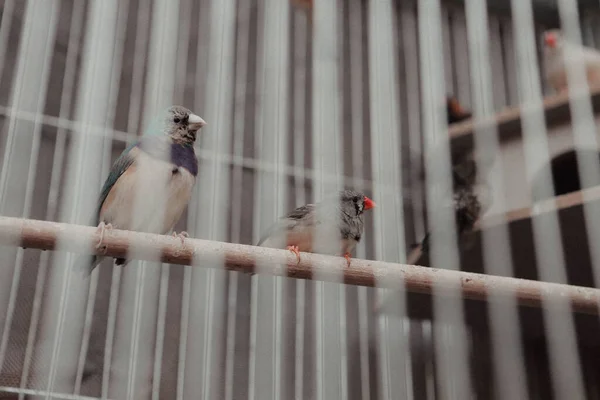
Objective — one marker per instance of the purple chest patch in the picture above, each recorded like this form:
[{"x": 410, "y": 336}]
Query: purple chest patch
[
  {"x": 184, "y": 156},
  {"x": 180, "y": 155}
]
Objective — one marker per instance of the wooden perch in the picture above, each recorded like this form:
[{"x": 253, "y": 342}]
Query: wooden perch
[
  {"x": 507, "y": 123},
  {"x": 45, "y": 235}
]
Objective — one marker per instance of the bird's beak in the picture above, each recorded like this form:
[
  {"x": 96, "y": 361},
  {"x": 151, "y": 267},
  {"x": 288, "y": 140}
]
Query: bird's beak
[
  {"x": 195, "y": 122},
  {"x": 369, "y": 203},
  {"x": 550, "y": 40}
]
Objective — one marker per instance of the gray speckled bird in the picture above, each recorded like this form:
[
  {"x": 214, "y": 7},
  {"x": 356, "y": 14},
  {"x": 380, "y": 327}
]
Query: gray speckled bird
[
  {"x": 469, "y": 201},
  {"x": 162, "y": 161},
  {"x": 342, "y": 213}
]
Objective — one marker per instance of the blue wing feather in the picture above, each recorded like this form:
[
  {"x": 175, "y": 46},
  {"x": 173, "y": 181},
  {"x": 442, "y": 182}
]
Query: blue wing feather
[
  {"x": 118, "y": 168},
  {"x": 87, "y": 263}
]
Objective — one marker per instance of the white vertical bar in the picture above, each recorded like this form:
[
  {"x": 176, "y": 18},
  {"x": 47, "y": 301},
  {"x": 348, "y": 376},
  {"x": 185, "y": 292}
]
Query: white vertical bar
[
  {"x": 184, "y": 368},
  {"x": 583, "y": 126},
  {"x": 76, "y": 24},
  {"x": 133, "y": 127},
  {"x": 204, "y": 341},
  {"x": 238, "y": 204},
  {"x": 562, "y": 348},
  {"x": 137, "y": 76},
  {"x": 270, "y": 200},
  {"x": 185, "y": 317},
  {"x": 110, "y": 330},
  {"x": 327, "y": 160},
  {"x": 19, "y": 171},
  {"x": 258, "y": 225},
  {"x": 506, "y": 340},
  {"x": 135, "y": 339},
  {"x": 408, "y": 22},
  {"x": 389, "y": 230},
  {"x": 183, "y": 44},
  {"x": 341, "y": 298},
  {"x": 461, "y": 67},
  {"x": 357, "y": 106},
  {"x": 181, "y": 81},
  {"x": 160, "y": 331},
  {"x": 65, "y": 301},
  {"x": 5, "y": 24},
  {"x": 451, "y": 350},
  {"x": 300, "y": 77},
  {"x": 115, "y": 78}
]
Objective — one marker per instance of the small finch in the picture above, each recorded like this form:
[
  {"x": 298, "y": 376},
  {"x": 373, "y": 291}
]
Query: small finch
[
  {"x": 455, "y": 112},
  {"x": 557, "y": 51},
  {"x": 162, "y": 161},
  {"x": 342, "y": 214}
]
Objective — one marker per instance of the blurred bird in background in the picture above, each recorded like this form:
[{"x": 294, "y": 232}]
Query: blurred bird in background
[
  {"x": 470, "y": 197},
  {"x": 306, "y": 4},
  {"x": 342, "y": 213},
  {"x": 159, "y": 171},
  {"x": 557, "y": 51},
  {"x": 454, "y": 110}
]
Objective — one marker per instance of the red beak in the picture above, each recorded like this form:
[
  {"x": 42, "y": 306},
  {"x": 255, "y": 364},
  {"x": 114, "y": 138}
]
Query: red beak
[
  {"x": 369, "y": 203},
  {"x": 550, "y": 40}
]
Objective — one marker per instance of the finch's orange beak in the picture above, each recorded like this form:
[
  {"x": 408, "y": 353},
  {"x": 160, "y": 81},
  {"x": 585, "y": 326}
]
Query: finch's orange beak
[
  {"x": 369, "y": 203},
  {"x": 550, "y": 40}
]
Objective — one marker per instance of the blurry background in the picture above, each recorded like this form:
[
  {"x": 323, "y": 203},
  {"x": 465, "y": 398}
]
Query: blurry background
[{"x": 297, "y": 95}]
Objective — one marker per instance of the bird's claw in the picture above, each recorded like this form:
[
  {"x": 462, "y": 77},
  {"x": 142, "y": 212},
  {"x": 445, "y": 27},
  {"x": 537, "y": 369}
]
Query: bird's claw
[
  {"x": 348, "y": 257},
  {"x": 181, "y": 235},
  {"x": 101, "y": 228},
  {"x": 296, "y": 251}
]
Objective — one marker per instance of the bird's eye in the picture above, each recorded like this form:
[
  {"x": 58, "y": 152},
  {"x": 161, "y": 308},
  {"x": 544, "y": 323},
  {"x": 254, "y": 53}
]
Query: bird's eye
[
  {"x": 355, "y": 199},
  {"x": 176, "y": 120}
]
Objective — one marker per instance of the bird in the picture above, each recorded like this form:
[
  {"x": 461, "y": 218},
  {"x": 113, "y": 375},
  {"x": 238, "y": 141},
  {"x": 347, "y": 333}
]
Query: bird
[
  {"x": 304, "y": 4},
  {"x": 455, "y": 112},
  {"x": 340, "y": 215},
  {"x": 162, "y": 161},
  {"x": 557, "y": 51},
  {"x": 469, "y": 198},
  {"x": 468, "y": 203}
]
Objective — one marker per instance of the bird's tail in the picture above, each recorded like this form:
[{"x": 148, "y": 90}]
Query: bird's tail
[{"x": 85, "y": 264}]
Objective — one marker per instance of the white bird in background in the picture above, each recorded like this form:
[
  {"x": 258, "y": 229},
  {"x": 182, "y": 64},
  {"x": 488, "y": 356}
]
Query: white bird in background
[{"x": 557, "y": 51}]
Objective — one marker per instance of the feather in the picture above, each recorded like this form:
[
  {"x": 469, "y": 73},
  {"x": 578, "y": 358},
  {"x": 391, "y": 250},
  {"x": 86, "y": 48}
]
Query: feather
[
  {"x": 291, "y": 220},
  {"x": 119, "y": 167}
]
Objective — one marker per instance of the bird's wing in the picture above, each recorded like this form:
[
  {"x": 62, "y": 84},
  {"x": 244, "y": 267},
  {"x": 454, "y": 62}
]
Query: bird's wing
[
  {"x": 303, "y": 214},
  {"x": 118, "y": 168}
]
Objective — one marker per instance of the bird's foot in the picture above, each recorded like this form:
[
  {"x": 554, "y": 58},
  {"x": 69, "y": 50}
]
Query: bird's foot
[
  {"x": 296, "y": 251},
  {"x": 102, "y": 227},
  {"x": 181, "y": 235},
  {"x": 348, "y": 257}
]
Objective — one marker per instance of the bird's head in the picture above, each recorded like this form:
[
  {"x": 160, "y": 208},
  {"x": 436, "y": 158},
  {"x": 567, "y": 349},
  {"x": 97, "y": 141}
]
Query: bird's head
[
  {"x": 455, "y": 111},
  {"x": 355, "y": 203},
  {"x": 181, "y": 124},
  {"x": 553, "y": 41}
]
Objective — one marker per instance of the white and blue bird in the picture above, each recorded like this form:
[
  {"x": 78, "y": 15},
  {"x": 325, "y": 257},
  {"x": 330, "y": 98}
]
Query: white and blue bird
[{"x": 155, "y": 175}]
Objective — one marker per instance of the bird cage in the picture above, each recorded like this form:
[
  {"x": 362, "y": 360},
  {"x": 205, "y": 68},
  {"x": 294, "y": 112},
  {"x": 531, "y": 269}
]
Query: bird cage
[{"x": 287, "y": 103}]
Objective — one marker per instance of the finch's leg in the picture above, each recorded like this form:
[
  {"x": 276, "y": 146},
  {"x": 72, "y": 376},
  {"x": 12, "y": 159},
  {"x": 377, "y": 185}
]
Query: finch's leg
[
  {"x": 101, "y": 228},
  {"x": 295, "y": 250},
  {"x": 348, "y": 256},
  {"x": 181, "y": 235}
]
